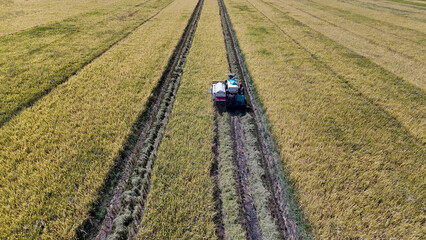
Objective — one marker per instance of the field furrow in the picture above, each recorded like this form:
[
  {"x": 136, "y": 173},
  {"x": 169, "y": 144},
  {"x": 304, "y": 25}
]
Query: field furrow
[
  {"x": 54, "y": 156},
  {"x": 256, "y": 158},
  {"x": 233, "y": 217},
  {"x": 131, "y": 208},
  {"x": 247, "y": 192},
  {"x": 180, "y": 204},
  {"x": 357, "y": 172},
  {"x": 35, "y": 61},
  {"x": 399, "y": 99}
]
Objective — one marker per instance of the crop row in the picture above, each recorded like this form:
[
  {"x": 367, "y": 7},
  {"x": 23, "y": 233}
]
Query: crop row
[
  {"x": 181, "y": 204},
  {"x": 356, "y": 170},
  {"x": 55, "y": 155},
  {"x": 34, "y": 61},
  {"x": 127, "y": 221},
  {"x": 232, "y": 215}
]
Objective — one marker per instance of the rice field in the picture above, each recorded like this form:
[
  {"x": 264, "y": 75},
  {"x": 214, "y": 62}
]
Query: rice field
[
  {"x": 180, "y": 204},
  {"x": 18, "y": 15},
  {"x": 106, "y": 115},
  {"x": 55, "y": 155},
  {"x": 358, "y": 164},
  {"x": 34, "y": 61}
]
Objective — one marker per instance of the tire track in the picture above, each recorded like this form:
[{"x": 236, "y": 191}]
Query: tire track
[
  {"x": 128, "y": 201},
  {"x": 282, "y": 205},
  {"x": 242, "y": 177}
]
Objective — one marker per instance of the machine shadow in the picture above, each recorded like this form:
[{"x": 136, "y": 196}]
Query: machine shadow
[{"x": 233, "y": 111}]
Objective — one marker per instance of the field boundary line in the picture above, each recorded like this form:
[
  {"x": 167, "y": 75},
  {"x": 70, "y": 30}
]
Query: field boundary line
[
  {"x": 47, "y": 91},
  {"x": 342, "y": 80}
]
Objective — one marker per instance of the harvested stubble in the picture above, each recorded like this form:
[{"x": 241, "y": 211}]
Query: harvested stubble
[
  {"x": 261, "y": 196},
  {"x": 180, "y": 204},
  {"x": 357, "y": 172},
  {"x": 34, "y": 61},
  {"x": 127, "y": 221},
  {"x": 228, "y": 186},
  {"x": 55, "y": 155}
]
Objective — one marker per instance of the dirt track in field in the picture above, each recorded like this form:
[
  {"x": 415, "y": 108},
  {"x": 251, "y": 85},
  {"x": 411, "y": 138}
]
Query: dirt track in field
[
  {"x": 140, "y": 153},
  {"x": 242, "y": 177},
  {"x": 270, "y": 160}
]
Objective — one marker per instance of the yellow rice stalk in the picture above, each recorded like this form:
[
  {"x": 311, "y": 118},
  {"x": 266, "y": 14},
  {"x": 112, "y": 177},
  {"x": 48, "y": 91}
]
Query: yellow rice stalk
[
  {"x": 320, "y": 18},
  {"x": 180, "y": 204},
  {"x": 17, "y": 15},
  {"x": 396, "y": 96},
  {"x": 55, "y": 155},
  {"x": 34, "y": 61},
  {"x": 357, "y": 172},
  {"x": 377, "y": 14},
  {"x": 407, "y": 63}
]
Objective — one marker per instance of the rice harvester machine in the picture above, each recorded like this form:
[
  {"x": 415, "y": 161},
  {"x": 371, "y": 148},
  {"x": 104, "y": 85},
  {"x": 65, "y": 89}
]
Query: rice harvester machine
[{"x": 229, "y": 92}]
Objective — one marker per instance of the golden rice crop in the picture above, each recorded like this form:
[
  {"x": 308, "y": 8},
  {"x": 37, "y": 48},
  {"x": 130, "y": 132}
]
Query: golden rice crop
[
  {"x": 328, "y": 21},
  {"x": 357, "y": 172},
  {"x": 397, "y": 7},
  {"x": 180, "y": 204},
  {"x": 380, "y": 25},
  {"x": 17, "y": 15},
  {"x": 396, "y": 96},
  {"x": 373, "y": 13},
  {"x": 55, "y": 155},
  {"x": 396, "y": 55},
  {"x": 34, "y": 61}
]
